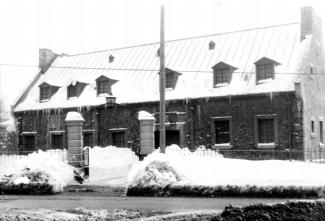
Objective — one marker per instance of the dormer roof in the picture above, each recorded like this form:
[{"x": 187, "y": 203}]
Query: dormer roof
[
  {"x": 265, "y": 60},
  {"x": 222, "y": 64}
]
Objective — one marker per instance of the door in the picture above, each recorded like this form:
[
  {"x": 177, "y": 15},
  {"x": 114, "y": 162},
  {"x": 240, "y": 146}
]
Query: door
[
  {"x": 172, "y": 137},
  {"x": 29, "y": 143},
  {"x": 88, "y": 139}
]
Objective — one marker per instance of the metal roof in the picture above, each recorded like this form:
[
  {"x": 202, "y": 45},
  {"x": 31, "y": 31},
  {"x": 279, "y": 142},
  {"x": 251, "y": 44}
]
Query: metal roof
[{"x": 136, "y": 68}]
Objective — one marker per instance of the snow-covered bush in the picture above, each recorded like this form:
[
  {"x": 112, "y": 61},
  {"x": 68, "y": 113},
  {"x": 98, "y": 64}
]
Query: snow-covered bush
[{"x": 40, "y": 170}]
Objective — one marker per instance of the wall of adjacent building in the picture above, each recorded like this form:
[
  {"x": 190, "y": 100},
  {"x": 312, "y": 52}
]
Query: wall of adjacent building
[{"x": 312, "y": 80}]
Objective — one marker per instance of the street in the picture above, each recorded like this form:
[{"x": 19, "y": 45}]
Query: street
[{"x": 88, "y": 200}]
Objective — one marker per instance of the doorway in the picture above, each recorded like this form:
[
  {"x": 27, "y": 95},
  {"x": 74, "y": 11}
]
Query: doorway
[{"x": 172, "y": 137}]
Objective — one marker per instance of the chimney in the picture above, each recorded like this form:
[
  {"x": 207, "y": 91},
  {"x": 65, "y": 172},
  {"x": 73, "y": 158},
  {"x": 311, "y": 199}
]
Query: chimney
[
  {"x": 46, "y": 57},
  {"x": 310, "y": 23}
]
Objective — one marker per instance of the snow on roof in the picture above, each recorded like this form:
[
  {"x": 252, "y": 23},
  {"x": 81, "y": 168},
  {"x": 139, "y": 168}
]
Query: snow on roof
[
  {"x": 74, "y": 116},
  {"x": 136, "y": 68}
]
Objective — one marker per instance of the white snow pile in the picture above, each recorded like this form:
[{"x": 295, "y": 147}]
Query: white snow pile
[
  {"x": 144, "y": 115},
  {"x": 209, "y": 170},
  {"x": 74, "y": 116},
  {"x": 110, "y": 165},
  {"x": 154, "y": 170},
  {"x": 38, "y": 168}
]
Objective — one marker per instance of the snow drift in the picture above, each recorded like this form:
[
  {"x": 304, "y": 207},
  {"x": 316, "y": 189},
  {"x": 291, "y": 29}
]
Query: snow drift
[
  {"x": 217, "y": 175},
  {"x": 110, "y": 165},
  {"x": 37, "y": 169}
]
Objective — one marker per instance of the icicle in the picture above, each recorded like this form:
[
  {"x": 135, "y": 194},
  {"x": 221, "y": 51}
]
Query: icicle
[{"x": 271, "y": 95}]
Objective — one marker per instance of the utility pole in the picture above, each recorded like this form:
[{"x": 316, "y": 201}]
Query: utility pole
[{"x": 162, "y": 133}]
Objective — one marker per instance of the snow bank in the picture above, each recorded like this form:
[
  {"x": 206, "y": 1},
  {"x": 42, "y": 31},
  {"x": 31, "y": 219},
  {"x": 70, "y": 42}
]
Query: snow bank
[
  {"x": 38, "y": 167},
  {"x": 214, "y": 171},
  {"x": 110, "y": 165}
]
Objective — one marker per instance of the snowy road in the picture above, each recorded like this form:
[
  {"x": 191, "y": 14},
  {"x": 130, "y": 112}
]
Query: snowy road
[{"x": 64, "y": 202}]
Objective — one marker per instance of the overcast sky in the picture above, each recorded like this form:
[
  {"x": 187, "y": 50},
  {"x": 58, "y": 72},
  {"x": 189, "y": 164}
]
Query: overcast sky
[{"x": 77, "y": 26}]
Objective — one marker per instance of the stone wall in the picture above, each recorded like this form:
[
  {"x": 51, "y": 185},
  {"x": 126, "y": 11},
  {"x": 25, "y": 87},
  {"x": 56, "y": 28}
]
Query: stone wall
[{"x": 192, "y": 118}]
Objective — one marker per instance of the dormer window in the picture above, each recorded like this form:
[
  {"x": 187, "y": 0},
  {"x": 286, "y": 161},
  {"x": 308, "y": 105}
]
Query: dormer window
[
  {"x": 104, "y": 85},
  {"x": 171, "y": 78},
  {"x": 222, "y": 74},
  {"x": 75, "y": 89},
  {"x": 212, "y": 45},
  {"x": 72, "y": 91},
  {"x": 46, "y": 91},
  {"x": 265, "y": 69}
]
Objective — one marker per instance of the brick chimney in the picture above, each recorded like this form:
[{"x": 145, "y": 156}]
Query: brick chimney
[
  {"x": 310, "y": 23},
  {"x": 46, "y": 57}
]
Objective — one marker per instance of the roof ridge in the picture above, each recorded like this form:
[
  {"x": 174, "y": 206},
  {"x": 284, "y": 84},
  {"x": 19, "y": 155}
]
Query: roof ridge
[{"x": 186, "y": 38}]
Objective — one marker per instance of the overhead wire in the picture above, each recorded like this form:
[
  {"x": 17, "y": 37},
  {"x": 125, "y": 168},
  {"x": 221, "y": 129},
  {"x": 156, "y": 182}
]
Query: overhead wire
[{"x": 150, "y": 70}]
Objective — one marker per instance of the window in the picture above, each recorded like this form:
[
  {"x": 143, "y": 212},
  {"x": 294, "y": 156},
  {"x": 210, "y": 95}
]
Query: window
[
  {"x": 221, "y": 136},
  {"x": 57, "y": 141},
  {"x": 103, "y": 87},
  {"x": 265, "y": 71},
  {"x": 266, "y": 132},
  {"x": 72, "y": 91},
  {"x": 222, "y": 131},
  {"x": 312, "y": 125},
  {"x": 45, "y": 93},
  {"x": 169, "y": 80},
  {"x": 221, "y": 75},
  {"x": 118, "y": 139},
  {"x": 321, "y": 132}
]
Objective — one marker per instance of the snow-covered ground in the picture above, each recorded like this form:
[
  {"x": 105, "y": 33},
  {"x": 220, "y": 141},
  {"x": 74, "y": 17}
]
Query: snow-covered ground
[
  {"x": 214, "y": 170},
  {"x": 108, "y": 166}
]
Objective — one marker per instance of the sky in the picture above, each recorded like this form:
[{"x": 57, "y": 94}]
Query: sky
[{"x": 78, "y": 26}]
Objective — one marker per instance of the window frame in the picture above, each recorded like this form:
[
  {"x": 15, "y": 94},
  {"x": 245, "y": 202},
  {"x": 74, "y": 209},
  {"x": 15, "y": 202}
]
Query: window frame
[
  {"x": 55, "y": 133},
  {"x": 103, "y": 86},
  {"x": 74, "y": 89},
  {"x": 221, "y": 76},
  {"x": 257, "y": 130},
  {"x": 265, "y": 71},
  {"x": 213, "y": 132},
  {"x": 169, "y": 80},
  {"x": 47, "y": 90}
]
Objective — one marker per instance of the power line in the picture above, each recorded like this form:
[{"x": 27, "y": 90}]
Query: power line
[{"x": 152, "y": 70}]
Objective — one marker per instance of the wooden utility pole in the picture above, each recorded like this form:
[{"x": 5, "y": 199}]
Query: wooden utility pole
[{"x": 162, "y": 133}]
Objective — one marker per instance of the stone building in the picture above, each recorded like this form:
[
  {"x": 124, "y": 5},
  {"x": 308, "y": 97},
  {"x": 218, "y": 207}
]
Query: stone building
[{"x": 240, "y": 92}]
